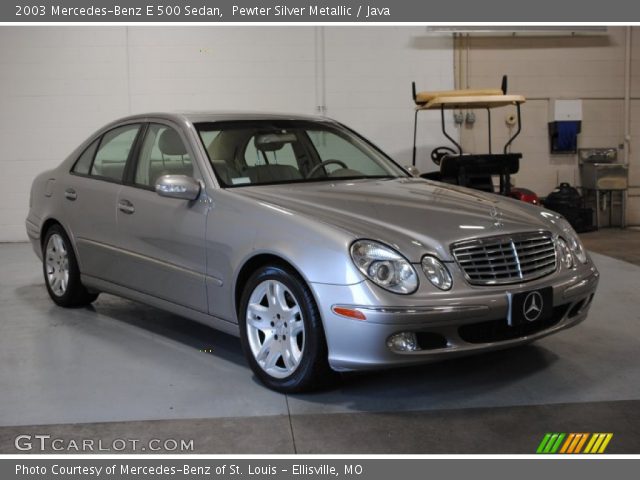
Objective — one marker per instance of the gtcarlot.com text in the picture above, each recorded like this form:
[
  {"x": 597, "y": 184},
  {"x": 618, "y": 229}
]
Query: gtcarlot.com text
[{"x": 47, "y": 443}]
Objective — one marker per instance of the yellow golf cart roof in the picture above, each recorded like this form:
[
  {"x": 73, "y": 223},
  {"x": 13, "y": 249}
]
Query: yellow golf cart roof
[
  {"x": 422, "y": 98},
  {"x": 468, "y": 99}
]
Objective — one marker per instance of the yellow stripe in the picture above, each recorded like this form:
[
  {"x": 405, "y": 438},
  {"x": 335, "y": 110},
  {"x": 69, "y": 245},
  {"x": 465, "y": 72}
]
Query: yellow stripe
[
  {"x": 607, "y": 439},
  {"x": 598, "y": 442},
  {"x": 590, "y": 444},
  {"x": 582, "y": 440},
  {"x": 567, "y": 442},
  {"x": 574, "y": 443}
]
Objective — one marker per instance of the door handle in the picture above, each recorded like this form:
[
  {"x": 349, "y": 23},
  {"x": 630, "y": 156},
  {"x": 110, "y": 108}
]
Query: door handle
[
  {"x": 70, "y": 194},
  {"x": 125, "y": 206}
]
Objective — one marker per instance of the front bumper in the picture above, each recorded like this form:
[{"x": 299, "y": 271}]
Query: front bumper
[{"x": 463, "y": 321}]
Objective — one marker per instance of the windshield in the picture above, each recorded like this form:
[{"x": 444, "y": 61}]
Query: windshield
[{"x": 247, "y": 153}]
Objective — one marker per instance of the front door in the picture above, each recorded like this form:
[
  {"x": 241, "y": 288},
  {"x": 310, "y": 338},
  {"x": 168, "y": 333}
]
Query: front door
[{"x": 163, "y": 238}]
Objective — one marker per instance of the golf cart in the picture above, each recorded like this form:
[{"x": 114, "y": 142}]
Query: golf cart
[{"x": 474, "y": 170}]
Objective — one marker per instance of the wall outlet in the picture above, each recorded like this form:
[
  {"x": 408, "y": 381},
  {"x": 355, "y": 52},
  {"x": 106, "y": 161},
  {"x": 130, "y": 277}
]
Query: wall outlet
[{"x": 470, "y": 119}]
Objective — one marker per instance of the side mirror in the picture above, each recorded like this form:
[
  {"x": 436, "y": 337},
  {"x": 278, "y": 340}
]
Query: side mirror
[
  {"x": 413, "y": 170},
  {"x": 178, "y": 186}
]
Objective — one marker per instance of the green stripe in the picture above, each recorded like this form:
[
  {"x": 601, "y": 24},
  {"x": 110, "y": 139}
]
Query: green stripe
[
  {"x": 558, "y": 443},
  {"x": 543, "y": 443},
  {"x": 550, "y": 443}
]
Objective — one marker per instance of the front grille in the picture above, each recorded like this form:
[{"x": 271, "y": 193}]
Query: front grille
[{"x": 507, "y": 258}]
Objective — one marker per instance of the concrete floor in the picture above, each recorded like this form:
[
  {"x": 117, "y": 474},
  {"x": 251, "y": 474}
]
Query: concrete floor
[
  {"x": 123, "y": 369},
  {"x": 616, "y": 243}
]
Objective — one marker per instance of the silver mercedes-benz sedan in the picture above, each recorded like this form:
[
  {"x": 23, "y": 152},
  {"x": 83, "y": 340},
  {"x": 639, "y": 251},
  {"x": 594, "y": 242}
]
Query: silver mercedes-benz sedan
[{"x": 304, "y": 239}]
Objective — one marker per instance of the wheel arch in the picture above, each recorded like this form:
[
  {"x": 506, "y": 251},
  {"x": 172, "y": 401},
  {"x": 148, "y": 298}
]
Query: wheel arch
[
  {"x": 254, "y": 263},
  {"x": 47, "y": 224}
]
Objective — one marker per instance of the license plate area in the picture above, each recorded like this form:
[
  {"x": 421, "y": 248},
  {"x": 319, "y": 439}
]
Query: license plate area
[{"x": 532, "y": 306}]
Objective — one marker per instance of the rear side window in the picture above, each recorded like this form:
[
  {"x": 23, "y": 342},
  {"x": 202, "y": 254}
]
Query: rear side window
[
  {"x": 83, "y": 164},
  {"x": 113, "y": 152}
]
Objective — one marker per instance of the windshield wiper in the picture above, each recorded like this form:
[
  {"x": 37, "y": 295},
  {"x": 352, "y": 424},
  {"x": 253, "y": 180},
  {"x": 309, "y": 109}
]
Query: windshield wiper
[
  {"x": 315, "y": 180},
  {"x": 351, "y": 177}
]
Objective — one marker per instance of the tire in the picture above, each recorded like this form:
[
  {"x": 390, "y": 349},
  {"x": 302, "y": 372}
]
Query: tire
[
  {"x": 283, "y": 341},
  {"x": 60, "y": 270}
]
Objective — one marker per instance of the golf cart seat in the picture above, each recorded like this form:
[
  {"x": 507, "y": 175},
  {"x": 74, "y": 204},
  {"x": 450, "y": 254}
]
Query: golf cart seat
[
  {"x": 475, "y": 171},
  {"x": 481, "y": 182}
]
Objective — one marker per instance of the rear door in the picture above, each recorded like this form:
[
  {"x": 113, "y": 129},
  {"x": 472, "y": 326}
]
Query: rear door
[
  {"x": 163, "y": 238},
  {"x": 90, "y": 197}
]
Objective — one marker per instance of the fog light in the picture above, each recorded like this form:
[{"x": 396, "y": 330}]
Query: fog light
[{"x": 403, "y": 342}]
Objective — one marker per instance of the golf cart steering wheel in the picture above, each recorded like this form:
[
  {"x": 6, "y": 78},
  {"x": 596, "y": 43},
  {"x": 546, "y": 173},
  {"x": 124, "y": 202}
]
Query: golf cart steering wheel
[
  {"x": 322, "y": 164},
  {"x": 438, "y": 153}
]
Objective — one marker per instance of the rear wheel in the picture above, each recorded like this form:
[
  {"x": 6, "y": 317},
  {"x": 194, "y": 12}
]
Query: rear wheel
[
  {"x": 61, "y": 273},
  {"x": 281, "y": 332}
]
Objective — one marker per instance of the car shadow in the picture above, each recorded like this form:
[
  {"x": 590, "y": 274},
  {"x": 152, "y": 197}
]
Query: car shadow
[
  {"x": 448, "y": 384},
  {"x": 492, "y": 378}
]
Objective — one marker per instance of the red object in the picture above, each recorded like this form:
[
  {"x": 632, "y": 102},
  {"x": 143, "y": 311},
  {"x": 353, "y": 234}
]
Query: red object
[
  {"x": 349, "y": 312},
  {"x": 524, "y": 195}
]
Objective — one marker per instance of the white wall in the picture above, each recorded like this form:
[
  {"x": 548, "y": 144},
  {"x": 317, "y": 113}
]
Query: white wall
[
  {"x": 369, "y": 73},
  {"x": 59, "y": 84}
]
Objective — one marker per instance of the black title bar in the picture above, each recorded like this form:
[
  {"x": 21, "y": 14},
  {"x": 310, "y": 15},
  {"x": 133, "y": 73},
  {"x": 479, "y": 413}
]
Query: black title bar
[{"x": 345, "y": 11}]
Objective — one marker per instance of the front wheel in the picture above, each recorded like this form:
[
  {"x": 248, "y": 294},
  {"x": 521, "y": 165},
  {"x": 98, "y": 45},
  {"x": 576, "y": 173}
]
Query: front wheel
[
  {"x": 61, "y": 272},
  {"x": 281, "y": 331}
]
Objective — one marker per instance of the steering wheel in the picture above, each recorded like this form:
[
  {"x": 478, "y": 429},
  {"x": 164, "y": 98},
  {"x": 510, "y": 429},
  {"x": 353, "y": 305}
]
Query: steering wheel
[
  {"x": 438, "y": 153},
  {"x": 322, "y": 164}
]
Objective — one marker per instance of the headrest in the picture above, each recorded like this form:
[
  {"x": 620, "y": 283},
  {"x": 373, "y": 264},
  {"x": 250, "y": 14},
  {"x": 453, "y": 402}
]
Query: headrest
[
  {"x": 170, "y": 143},
  {"x": 225, "y": 144}
]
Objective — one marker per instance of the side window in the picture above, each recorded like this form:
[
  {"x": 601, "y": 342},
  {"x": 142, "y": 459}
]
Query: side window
[
  {"x": 113, "y": 152},
  {"x": 163, "y": 153},
  {"x": 83, "y": 164}
]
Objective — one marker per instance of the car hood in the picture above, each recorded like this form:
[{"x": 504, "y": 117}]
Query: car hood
[{"x": 413, "y": 215}]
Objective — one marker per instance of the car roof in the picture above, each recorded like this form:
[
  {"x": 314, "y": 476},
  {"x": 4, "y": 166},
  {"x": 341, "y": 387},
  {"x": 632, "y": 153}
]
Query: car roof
[{"x": 220, "y": 116}]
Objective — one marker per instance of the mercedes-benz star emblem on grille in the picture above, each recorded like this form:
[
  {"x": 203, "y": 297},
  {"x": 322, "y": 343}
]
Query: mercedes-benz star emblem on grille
[{"x": 532, "y": 306}]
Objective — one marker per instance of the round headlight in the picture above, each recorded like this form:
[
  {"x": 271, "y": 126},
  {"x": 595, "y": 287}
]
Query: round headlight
[
  {"x": 575, "y": 245},
  {"x": 384, "y": 267},
  {"x": 564, "y": 253},
  {"x": 573, "y": 241},
  {"x": 436, "y": 273}
]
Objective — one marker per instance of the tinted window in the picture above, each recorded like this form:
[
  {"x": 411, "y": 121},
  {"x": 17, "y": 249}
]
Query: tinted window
[
  {"x": 264, "y": 152},
  {"x": 113, "y": 152},
  {"x": 330, "y": 146},
  {"x": 163, "y": 153},
  {"x": 283, "y": 155},
  {"x": 83, "y": 165}
]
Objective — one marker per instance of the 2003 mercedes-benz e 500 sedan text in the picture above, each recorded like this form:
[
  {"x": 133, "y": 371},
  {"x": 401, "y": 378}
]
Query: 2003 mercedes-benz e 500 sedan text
[{"x": 304, "y": 239}]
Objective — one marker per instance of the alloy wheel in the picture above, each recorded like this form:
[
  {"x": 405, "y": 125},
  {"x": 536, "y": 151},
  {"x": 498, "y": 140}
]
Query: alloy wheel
[
  {"x": 275, "y": 328},
  {"x": 57, "y": 265}
]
